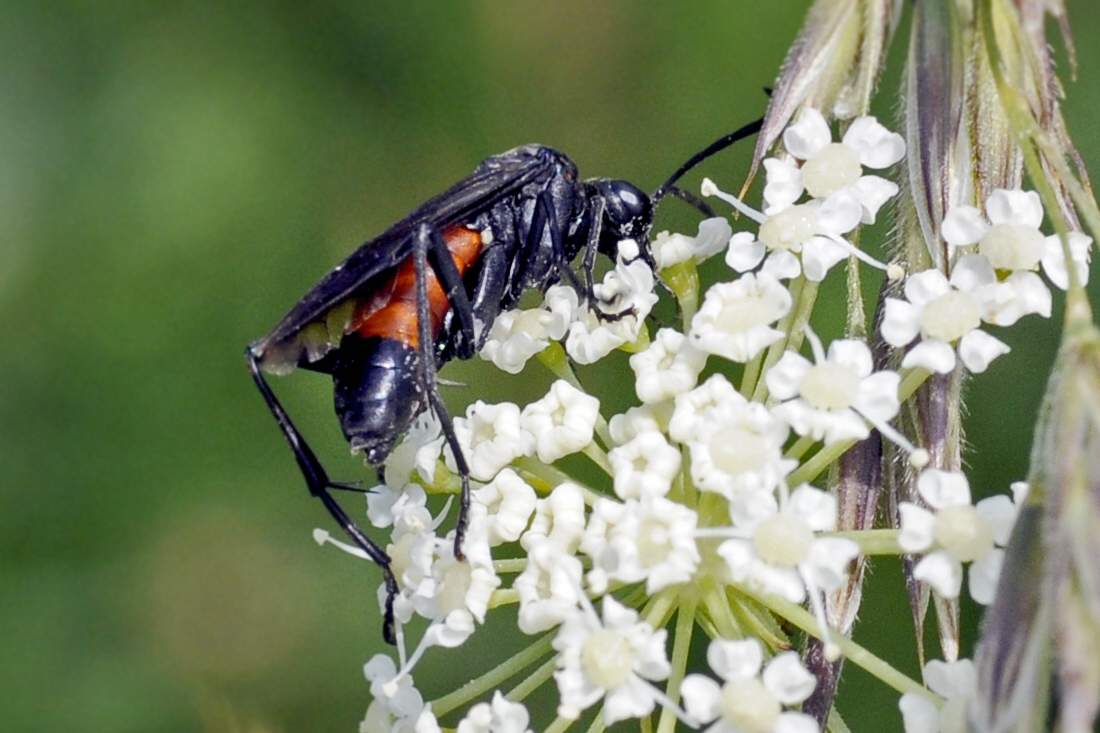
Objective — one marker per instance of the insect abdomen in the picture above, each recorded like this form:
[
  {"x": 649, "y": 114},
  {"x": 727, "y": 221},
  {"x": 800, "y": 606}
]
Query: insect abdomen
[
  {"x": 376, "y": 393},
  {"x": 390, "y": 310}
]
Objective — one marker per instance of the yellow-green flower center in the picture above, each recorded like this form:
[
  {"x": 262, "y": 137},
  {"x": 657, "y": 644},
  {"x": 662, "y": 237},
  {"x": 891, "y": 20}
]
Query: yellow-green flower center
[
  {"x": 782, "y": 539},
  {"x": 830, "y": 386},
  {"x": 738, "y": 450},
  {"x": 961, "y": 531},
  {"x": 1012, "y": 247},
  {"x": 789, "y": 228},
  {"x": 749, "y": 706},
  {"x": 607, "y": 659},
  {"x": 950, "y": 316},
  {"x": 833, "y": 168}
]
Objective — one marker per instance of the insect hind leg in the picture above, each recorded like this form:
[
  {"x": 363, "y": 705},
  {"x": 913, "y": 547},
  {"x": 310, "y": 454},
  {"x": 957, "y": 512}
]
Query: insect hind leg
[
  {"x": 426, "y": 345},
  {"x": 318, "y": 483}
]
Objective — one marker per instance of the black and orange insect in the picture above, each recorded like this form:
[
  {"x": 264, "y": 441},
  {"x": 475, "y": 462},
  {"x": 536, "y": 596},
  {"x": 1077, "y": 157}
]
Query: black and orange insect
[{"x": 426, "y": 290}]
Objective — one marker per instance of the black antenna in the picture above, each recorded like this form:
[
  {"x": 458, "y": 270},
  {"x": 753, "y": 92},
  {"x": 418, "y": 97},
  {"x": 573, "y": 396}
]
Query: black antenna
[{"x": 717, "y": 146}]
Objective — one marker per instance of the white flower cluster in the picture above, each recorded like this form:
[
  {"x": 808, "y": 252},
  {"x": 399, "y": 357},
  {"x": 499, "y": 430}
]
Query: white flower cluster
[{"x": 702, "y": 497}]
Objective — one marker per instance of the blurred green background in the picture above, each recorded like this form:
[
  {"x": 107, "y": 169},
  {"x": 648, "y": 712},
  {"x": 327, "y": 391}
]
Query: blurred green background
[{"x": 172, "y": 178}]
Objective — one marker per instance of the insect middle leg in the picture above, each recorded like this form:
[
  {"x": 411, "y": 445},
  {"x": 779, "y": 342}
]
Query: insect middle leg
[
  {"x": 422, "y": 244},
  {"x": 318, "y": 483}
]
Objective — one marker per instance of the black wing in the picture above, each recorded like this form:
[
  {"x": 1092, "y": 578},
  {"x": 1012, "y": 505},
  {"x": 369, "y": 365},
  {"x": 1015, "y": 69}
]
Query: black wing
[{"x": 498, "y": 176}]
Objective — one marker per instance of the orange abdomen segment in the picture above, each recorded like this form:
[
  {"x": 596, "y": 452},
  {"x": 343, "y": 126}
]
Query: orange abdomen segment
[{"x": 390, "y": 311}]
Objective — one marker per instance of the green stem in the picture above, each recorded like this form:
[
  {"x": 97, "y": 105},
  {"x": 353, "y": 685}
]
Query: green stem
[
  {"x": 545, "y": 671},
  {"x": 799, "y": 448},
  {"x": 596, "y": 455},
  {"x": 480, "y": 685},
  {"x": 681, "y": 645},
  {"x": 683, "y": 280},
  {"x": 760, "y": 390},
  {"x": 544, "y": 478},
  {"x": 511, "y": 565},
  {"x": 503, "y": 597},
  {"x": 758, "y": 620},
  {"x": 911, "y": 380},
  {"x": 751, "y": 375},
  {"x": 806, "y": 302},
  {"x": 718, "y": 609},
  {"x": 560, "y": 725},
  {"x": 659, "y": 608},
  {"x": 855, "y": 653},
  {"x": 872, "y": 541},
  {"x": 598, "y": 725}
]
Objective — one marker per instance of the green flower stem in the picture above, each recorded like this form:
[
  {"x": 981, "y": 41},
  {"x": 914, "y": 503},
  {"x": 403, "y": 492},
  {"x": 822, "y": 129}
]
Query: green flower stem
[
  {"x": 513, "y": 565},
  {"x": 799, "y": 448},
  {"x": 596, "y": 455},
  {"x": 545, "y": 671},
  {"x": 598, "y": 726},
  {"x": 554, "y": 358},
  {"x": 910, "y": 380},
  {"x": 758, "y": 620},
  {"x": 760, "y": 391},
  {"x": 503, "y": 597},
  {"x": 647, "y": 725},
  {"x": 659, "y": 608},
  {"x": 835, "y": 723},
  {"x": 639, "y": 344},
  {"x": 806, "y": 302},
  {"x": 544, "y": 478},
  {"x": 480, "y": 685},
  {"x": 751, "y": 375},
  {"x": 718, "y": 609},
  {"x": 872, "y": 541},
  {"x": 560, "y": 725},
  {"x": 855, "y": 653},
  {"x": 683, "y": 280},
  {"x": 681, "y": 645}
]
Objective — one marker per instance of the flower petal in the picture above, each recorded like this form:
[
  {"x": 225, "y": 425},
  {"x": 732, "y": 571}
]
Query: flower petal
[
  {"x": 733, "y": 660},
  {"x": 783, "y": 265},
  {"x": 941, "y": 571},
  {"x": 783, "y": 184},
  {"x": 840, "y": 213},
  {"x": 942, "y": 489},
  {"x": 935, "y": 356},
  {"x": 785, "y": 377},
  {"x": 900, "y": 322},
  {"x": 702, "y": 696},
  {"x": 924, "y": 287},
  {"x": 977, "y": 349},
  {"x": 819, "y": 255},
  {"x": 972, "y": 271},
  {"x": 873, "y": 192},
  {"x": 984, "y": 574},
  {"x": 787, "y": 679},
  {"x": 963, "y": 226},
  {"x": 745, "y": 252},
  {"x": 809, "y": 134},
  {"x": 1000, "y": 513},
  {"x": 1054, "y": 261},
  {"x": 918, "y": 527},
  {"x": 877, "y": 146},
  {"x": 1015, "y": 207}
]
